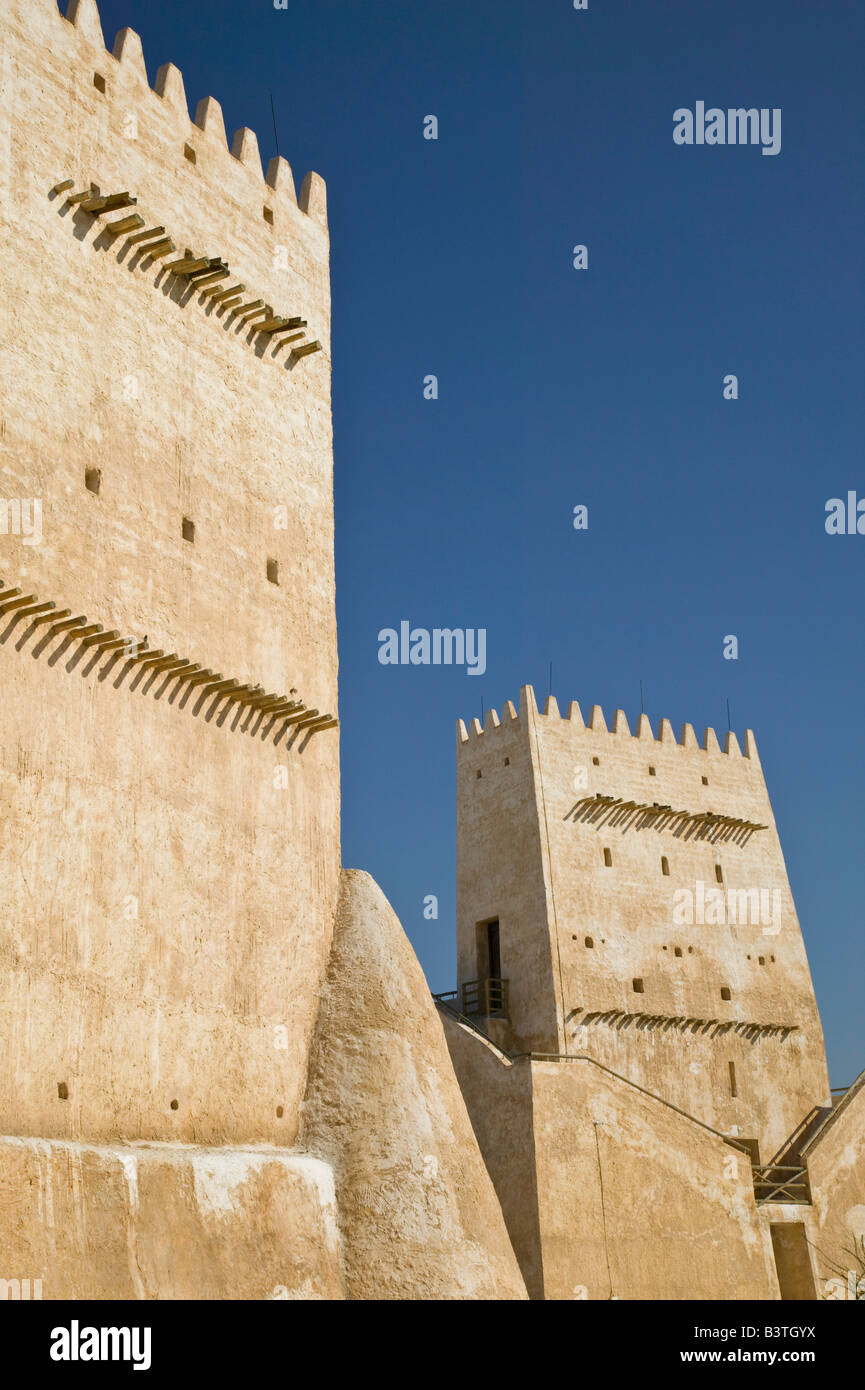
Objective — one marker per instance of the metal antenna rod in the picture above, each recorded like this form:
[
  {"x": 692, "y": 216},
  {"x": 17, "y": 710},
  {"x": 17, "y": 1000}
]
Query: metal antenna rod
[{"x": 273, "y": 114}]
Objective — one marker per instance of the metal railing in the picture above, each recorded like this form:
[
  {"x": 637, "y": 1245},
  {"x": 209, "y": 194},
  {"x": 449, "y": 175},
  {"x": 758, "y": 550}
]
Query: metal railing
[
  {"x": 489, "y": 997},
  {"x": 781, "y": 1182}
]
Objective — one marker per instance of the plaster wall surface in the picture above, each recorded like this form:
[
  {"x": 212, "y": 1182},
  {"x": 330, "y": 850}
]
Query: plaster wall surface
[
  {"x": 624, "y": 1196},
  {"x": 162, "y": 1221},
  {"x": 836, "y": 1169},
  {"x": 418, "y": 1211},
  {"x": 170, "y": 862}
]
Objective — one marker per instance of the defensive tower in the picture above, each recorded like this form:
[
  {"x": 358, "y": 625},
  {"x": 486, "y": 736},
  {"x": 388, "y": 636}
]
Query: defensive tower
[
  {"x": 169, "y": 798},
  {"x": 631, "y": 893}
]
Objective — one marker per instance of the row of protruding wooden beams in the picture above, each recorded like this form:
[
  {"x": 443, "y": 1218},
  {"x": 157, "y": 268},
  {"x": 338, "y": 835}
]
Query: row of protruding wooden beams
[
  {"x": 286, "y": 708},
  {"x": 205, "y": 273},
  {"x": 707, "y": 817},
  {"x": 614, "y": 1016}
]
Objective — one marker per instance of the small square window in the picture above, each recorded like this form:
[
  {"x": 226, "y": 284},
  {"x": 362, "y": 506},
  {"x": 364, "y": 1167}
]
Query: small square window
[
  {"x": 267, "y": 214},
  {"x": 99, "y": 82},
  {"x": 62, "y": 1090},
  {"x": 726, "y": 992},
  {"x": 92, "y": 479},
  {"x": 638, "y": 987},
  {"x": 189, "y": 153},
  {"x": 608, "y": 859},
  {"x": 188, "y": 530},
  {"x": 677, "y": 950},
  {"x": 705, "y": 781},
  {"x": 761, "y": 960},
  {"x": 273, "y": 571},
  {"x": 596, "y": 761},
  {"x": 652, "y": 772},
  {"x": 589, "y": 942}
]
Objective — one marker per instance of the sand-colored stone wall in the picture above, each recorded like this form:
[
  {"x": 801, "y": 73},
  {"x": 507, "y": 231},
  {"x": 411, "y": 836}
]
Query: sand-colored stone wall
[
  {"x": 836, "y": 1169},
  {"x": 607, "y": 1191},
  {"x": 418, "y": 1212},
  {"x": 169, "y": 869},
  {"x": 162, "y": 1221}
]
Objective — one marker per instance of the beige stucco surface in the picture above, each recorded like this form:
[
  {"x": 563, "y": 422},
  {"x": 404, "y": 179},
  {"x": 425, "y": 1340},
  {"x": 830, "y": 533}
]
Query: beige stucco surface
[
  {"x": 609, "y": 1192},
  {"x": 169, "y": 868},
  {"x": 147, "y": 1221},
  {"x": 418, "y": 1211},
  {"x": 836, "y": 1169}
]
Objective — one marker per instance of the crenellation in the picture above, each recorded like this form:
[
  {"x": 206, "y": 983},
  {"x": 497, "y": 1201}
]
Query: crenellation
[
  {"x": 597, "y": 723},
  {"x": 206, "y": 134},
  {"x": 129, "y": 52},
  {"x": 84, "y": 15},
  {"x": 666, "y": 736}
]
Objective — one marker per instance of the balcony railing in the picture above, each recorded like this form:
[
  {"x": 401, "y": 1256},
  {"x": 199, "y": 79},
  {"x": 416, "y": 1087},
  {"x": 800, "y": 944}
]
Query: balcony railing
[
  {"x": 775, "y": 1182},
  {"x": 488, "y": 997}
]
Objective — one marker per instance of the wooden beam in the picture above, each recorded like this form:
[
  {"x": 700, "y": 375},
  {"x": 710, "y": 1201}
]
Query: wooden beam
[
  {"x": 215, "y": 295},
  {"x": 62, "y": 186},
  {"x": 50, "y": 617},
  {"x": 16, "y": 602},
  {"x": 37, "y": 608},
  {"x": 184, "y": 264},
  {"x": 151, "y": 231},
  {"x": 306, "y": 349},
  {"x": 157, "y": 249},
  {"x": 97, "y": 203},
  {"x": 99, "y": 637},
  {"x": 126, "y": 224}
]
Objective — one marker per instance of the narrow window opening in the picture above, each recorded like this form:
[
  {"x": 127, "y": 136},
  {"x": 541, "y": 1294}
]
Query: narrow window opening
[
  {"x": 677, "y": 950},
  {"x": 733, "y": 1088},
  {"x": 279, "y": 1112},
  {"x": 726, "y": 992},
  {"x": 665, "y": 866},
  {"x": 189, "y": 153},
  {"x": 772, "y": 958},
  {"x": 608, "y": 859},
  {"x": 596, "y": 762},
  {"x": 174, "y": 1105},
  {"x": 92, "y": 479},
  {"x": 652, "y": 772},
  {"x": 590, "y": 941},
  {"x": 479, "y": 774},
  {"x": 507, "y": 762},
  {"x": 99, "y": 82},
  {"x": 494, "y": 955},
  {"x": 267, "y": 213},
  {"x": 273, "y": 571},
  {"x": 62, "y": 1090},
  {"x": 638, "y": 986},
  {"x": 188, "y": 529},
  {"x": 719, "y": 874},
  {"x": 690, "y": 950},
  {"x": 705, "y": 781},
  {"x": 761, "y": 960}
]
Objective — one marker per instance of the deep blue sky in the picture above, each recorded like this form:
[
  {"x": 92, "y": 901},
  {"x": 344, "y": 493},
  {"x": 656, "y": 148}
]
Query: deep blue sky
[{"x": 603, "y": 387}]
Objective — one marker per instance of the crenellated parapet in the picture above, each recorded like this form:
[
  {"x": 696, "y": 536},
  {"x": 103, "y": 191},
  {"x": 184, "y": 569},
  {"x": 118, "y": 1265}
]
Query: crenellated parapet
[
  {"x": 513, "y": 720},
  {"x": 120, "y": 76}
]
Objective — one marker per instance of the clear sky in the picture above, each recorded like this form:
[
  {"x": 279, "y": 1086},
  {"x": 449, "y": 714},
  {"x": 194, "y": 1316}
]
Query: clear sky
[{"x": 600, "y": 387}]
